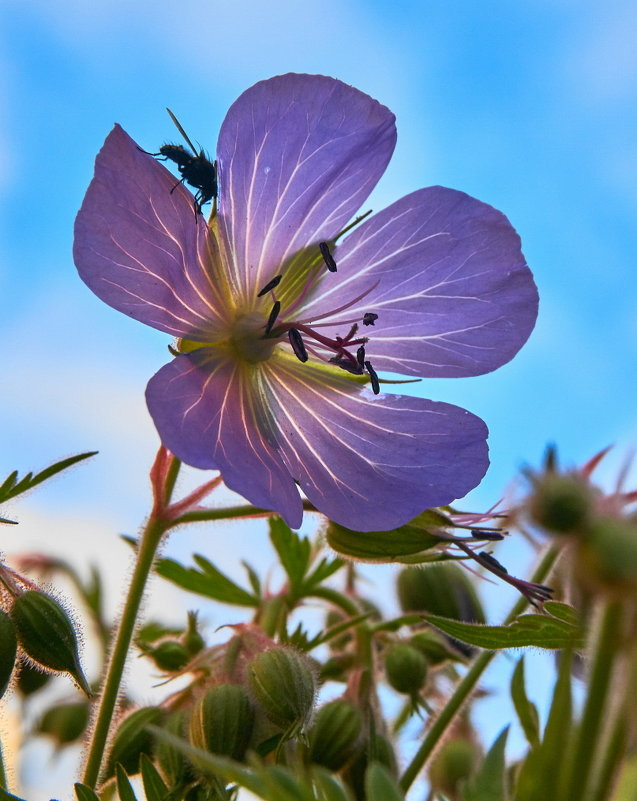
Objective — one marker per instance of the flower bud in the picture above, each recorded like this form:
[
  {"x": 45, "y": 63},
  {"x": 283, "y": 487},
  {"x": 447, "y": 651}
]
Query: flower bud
[
  {"x": 132, "y": 739},
  {"x": 434, "y": 647},
  {"x": 607, "y": 555},
  {"x": 282, "y": 682},
  {"x": 222, "y": 721},
  {"x": 64, "y": 723},
  {"x": 169, "y": 655},
  {"x": 8, "y": 650},
  {"x": 335, "y": 734},
  {"x": 451, "y": 766},
  {"x": 46, "y": 634},
  {"x": 192, "y": 639},
  {"x": 440, "y": 590},
  {"x": 560, "y": 504},
  {"x": 406, "y": 668}
]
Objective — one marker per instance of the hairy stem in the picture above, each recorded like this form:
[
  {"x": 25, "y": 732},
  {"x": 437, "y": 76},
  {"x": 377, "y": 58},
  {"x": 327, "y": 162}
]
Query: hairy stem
[{"x": 468, "y": 683}]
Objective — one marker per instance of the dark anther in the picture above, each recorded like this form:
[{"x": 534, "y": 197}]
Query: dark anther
[
  {"x": 272, "y": 318},
  {"x": 171, "y": 350},
  {"x": 369, "y": 318},
  {"x": 297, "y": 344},
  {"x": 492, "y": 561},
  {"x": 327, "y": 257},
  {"x": 270, "y": 285},
  {"x": 374, "y": 378},
  {"x": 360, "y": 356},
  {"x": 487, "y": 534},
  {"x": 347, "y": 364}
]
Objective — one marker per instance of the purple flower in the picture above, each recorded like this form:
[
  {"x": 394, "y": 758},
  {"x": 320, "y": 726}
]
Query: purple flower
[{"x": 269, "y": 386}]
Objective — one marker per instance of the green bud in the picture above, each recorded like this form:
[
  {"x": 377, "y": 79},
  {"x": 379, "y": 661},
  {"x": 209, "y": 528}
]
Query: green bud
[
  {"x": 222, "y": 721},
  {"x": 406, "y": 668},
  {"x": 561, "y": 504},
  {"x": 64, "y": 723},
  {"x": 192, "y": 639},
  {"x": 452, "y": 766},
  {"x": 335, "y": 734},
  {"x": 8, "y": 650},
  {"x": 607, "y": 555},
  {"x": 382, "y": 546},
  {"x": 31, "y": 679},
  {"x": 282, "y": 682},
  {"x": 337, "y": 667},
  {"x": 169, "y": 655},
  {"x": 46, "y": 634},
  {"x": 132, "y": 739},
  {"x": 434, "y": 648},
  {"x": 442, "y": 589}
]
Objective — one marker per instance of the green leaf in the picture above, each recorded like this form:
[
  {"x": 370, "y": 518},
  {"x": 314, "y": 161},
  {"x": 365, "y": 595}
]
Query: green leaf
[
  {"x": 324, "y": 569},
  {"x": 540, "y": 631},
  {"x": 124, "y": 788},
  {"x": 384, "y": 546},
  {"x": 253, "y": 577},
  {"x": 380, "y": 786},
  {"x": 154, "y": 787},
  {"x": 209, "y": 581},
  {"x": 84, "y": 793},
  {"x": 525, "y": 709},
  {"x": 11, "y": 487},
  {"x": 293, "y": 551},
  {"x": 489, "y": 783},
  {"x": 328, "y": 787},
  {"x": 562, "y": 611}
]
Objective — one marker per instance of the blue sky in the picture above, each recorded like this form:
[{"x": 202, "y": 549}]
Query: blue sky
[{"x": 530, "y": 105}]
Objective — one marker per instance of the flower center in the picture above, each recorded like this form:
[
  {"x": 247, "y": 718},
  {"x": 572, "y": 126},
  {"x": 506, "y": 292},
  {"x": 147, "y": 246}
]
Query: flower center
[{"x": 247, "y": 340}]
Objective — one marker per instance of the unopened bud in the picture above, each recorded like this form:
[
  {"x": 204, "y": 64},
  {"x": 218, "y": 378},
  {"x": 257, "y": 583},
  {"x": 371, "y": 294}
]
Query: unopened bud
[
  {"x": 31, "y": 679},
  {"x": 169, "y": 655},
  {"x": 443, "y": 590},
  {"x": 132, "y": 739},
  {"x": 335, "y": 734},
  {"x": 607, "y": 555},
  {"x": 8, "y": 650},
  {"x": 434, "y": 647},
  {"x": 406, "y": 668},
  {"x": 282, "y": 682},
  {"x": 561, "y": 504},
  {"x": 64, "y": 723},
  {"x": 46, "y": 634},
  {"x": 192, "y": 639},
  {"x": 452, "y": 765},
  {"x": 222, "y": 721}
]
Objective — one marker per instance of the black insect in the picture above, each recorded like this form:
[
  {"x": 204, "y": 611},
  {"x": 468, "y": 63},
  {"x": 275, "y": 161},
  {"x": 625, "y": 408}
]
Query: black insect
[{"x": 195, "y": 168}]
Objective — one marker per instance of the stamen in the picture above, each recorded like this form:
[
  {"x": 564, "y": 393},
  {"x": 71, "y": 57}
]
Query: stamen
[
  {"x": 270, "y": 285},
  {"x": 327, "y": 257},
  {"x": 360, "y": 356},
  {"x": 369, "y": 318},
  {"x": 297, "y": 344},
  {"x": 374, "y": 378},
  {"x": 347, "y": 364},
  {"x": 272, "y": 318},
  {"x": 340, "y": 308}
]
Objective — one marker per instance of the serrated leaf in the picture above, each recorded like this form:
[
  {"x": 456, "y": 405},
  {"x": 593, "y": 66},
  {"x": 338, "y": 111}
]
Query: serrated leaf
[
  {"x": 324, "y": 569},
  {"x": 212, "y": 583},
  {"x": 380, "y": 785},
  {"x": 540, "y": 631},
  {"x": 293, "y": 551},
  {"x": 84, "y": 793},
  {"x": 525, "y": 709},
  {"x": 154, "y": 786},
  {"x": 489, "y": 783},
  {"x": 10, "y": 487},
  {"x": 124, "y": 788}
]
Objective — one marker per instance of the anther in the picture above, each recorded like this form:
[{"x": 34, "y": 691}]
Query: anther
[
  {"x": 272, "y": 318},
  {"x": 369, "y": 318},
  {"x": 327, "y": 257},
  {"x": 270, "y": 285},
  {"x": 374, "y": 378},
  {"x": 360, "y": 356},
  {"x": 297, "y": 344},
  {"x": 347, "y": 364},
  {"x": 492, "y": 561}
]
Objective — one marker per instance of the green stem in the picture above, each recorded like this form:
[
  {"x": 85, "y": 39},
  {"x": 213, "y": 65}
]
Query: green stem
[
  {"x": 468, "y": 683},
  {"x": 146, "y": 551},
  {"x": 603, "y": 650},
  {"x": 230, "y": 512}
]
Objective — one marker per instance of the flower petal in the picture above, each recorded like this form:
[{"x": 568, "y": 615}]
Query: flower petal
[
  {"x": 140, "y": 247},
  {"x": 452, "y": 291},
  {"x": 205, "y": 412},
  {"x": 372, "y": 463},
  {"x": 297, "y": 156}
]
